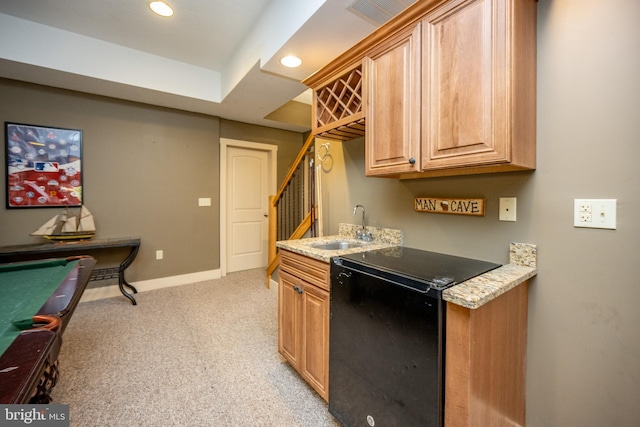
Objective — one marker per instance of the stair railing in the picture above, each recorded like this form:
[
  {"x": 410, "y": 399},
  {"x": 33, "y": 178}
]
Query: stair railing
[{"x": 292, "y": 210}]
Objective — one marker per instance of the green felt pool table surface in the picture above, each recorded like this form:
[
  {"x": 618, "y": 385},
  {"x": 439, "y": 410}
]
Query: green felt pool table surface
[{"x": 45, "y": 287}]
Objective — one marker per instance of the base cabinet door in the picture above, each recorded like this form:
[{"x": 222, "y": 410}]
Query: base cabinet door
[
  {"x": 315, "y": 339},
  {"x": 289, "y": 313},
  {"x": 303, "y": 326}
]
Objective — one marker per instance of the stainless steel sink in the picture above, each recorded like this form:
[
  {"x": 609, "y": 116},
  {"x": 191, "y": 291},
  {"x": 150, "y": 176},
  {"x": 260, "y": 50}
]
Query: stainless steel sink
[{"x": 339, "y": 245}]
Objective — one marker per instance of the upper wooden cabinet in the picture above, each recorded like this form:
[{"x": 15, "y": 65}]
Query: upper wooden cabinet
[
  {"x": 478, "y": 106},
  {"x": 392, "y": 98},
  {"x": 449, "y": 89}
]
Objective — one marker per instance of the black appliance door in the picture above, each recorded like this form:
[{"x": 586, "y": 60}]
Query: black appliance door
[{"x": 385, "y": 352}]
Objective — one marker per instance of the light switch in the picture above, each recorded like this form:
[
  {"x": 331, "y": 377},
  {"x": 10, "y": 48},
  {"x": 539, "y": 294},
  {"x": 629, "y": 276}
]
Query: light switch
[
  {"x": 204, "y": 201},
  {"x": 594, "y": 213}
]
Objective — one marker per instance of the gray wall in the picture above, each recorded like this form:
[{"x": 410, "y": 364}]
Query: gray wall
[
  {"x": 288, "y": 143},
  {"x": 583, "y": 361},
  {"x": 144, "y": 169}
]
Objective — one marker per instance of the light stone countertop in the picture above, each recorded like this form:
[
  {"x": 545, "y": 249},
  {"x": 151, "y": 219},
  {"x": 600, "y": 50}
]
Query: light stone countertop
[
  {"x": 472, "y": 293},
  {"x": 382, "y": 238},
  {"x": 481, "y": 289}
]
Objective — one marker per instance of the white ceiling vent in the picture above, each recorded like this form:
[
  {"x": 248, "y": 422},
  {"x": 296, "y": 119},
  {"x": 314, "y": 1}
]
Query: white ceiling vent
[{"x": 377, "y": 12}]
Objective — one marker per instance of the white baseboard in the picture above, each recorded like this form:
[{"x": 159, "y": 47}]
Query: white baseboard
[
  {"x": 273, "y": 285},
  {"x": 93, "y": 294}
]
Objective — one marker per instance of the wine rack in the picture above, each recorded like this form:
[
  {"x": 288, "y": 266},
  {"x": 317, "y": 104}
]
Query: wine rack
[{"x": 338, "y": 107}]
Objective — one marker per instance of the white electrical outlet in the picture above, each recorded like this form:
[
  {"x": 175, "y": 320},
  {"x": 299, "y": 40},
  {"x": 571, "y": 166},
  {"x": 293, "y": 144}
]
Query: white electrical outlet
[
  {"x": 507, "y": 209},
  {"x": 585, "y": 212},
  {"x": 159, "y": 254},
  {"x": 594, "y": 213}
]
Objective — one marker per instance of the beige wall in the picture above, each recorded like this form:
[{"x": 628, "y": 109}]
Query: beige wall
[
  {"x": 144, "y": 169},
  {"x": 583, "y": 362}
]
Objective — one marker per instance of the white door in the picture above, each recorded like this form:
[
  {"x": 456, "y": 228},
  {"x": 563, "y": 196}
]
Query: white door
[{"x": 247, "y": 200}]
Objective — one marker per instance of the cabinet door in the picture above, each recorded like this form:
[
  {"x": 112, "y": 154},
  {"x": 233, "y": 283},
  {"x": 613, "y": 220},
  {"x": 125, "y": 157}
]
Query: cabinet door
[
  {"x": 465, "y": 113},
  {"x": 392, "y": 105},
  {"x": 289, "y": 316},
  {"x": 315, "y": 339}
]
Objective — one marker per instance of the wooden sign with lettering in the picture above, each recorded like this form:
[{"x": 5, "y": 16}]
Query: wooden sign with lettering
[{"x": 474, "y": 207}]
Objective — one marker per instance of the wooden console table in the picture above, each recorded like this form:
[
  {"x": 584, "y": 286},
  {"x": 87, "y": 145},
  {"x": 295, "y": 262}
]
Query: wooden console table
[{"x": 80, "y": 247}]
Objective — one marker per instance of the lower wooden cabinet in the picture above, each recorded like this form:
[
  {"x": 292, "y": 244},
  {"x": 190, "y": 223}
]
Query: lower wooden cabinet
[
  {"x": 486, "y": 362},
  {"x": 303, "y": 318},
  {"x": 485, "y": 347}
]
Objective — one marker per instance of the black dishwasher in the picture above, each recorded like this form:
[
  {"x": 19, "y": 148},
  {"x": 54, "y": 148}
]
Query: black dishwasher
[{"x": 386, "y": 345}]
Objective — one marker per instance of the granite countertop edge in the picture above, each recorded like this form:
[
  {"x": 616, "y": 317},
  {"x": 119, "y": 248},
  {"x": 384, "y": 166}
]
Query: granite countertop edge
[
  {"x": 382, "y": 238},
  {"x": 476, "y": 292},
  {"x": 471, "y": 294},
  {"x": 326, "y": 255}
]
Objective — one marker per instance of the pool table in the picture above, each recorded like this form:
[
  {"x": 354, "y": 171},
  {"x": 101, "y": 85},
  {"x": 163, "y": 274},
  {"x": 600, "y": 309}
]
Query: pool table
[{"x": 38, "y": 300}]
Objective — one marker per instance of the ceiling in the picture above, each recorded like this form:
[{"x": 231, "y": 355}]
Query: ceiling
[{"x": 214, "y": 57}]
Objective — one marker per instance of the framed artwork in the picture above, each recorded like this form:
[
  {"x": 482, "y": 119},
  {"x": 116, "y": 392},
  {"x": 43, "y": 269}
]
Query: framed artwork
[{"x": 44, "y": 166}]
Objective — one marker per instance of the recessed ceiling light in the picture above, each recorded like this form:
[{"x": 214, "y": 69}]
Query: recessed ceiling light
[
  {"x": 161, "y": 8},
  {"x": 291, "y": 61}
]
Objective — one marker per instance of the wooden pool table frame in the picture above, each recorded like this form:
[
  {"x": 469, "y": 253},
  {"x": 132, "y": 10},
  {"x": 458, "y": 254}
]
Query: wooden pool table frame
[{"x": 25, "y": 360}]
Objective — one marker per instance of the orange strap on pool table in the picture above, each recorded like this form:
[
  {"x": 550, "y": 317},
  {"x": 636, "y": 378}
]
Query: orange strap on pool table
[{"x": 51, "y": 323}]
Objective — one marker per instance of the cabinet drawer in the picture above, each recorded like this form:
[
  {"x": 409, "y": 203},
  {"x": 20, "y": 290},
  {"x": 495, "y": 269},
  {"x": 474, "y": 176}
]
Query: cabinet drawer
[{"x": 313, "y": 271}]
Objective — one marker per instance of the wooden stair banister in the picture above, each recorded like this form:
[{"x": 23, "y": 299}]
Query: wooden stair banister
[
  {"x": 305, "y": 224},
  {"x": 294, "y": 166}
]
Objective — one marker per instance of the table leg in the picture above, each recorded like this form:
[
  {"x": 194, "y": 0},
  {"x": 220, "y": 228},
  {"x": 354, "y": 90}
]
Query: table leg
[
  {"x": 122, "y": 282},
  {"x": 129, "y": 285}
]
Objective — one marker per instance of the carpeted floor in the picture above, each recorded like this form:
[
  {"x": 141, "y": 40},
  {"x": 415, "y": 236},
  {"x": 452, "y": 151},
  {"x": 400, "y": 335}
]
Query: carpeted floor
[{"x": 197, "y": 355}]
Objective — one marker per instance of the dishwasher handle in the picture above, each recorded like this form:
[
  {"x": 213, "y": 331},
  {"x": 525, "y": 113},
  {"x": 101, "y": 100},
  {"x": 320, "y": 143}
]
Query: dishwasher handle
[{"x": 346, "y": 272}]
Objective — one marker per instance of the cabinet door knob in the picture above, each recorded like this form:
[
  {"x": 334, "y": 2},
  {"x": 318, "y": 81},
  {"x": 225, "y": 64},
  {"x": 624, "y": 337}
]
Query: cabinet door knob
[{"x": 412, "y": 161}]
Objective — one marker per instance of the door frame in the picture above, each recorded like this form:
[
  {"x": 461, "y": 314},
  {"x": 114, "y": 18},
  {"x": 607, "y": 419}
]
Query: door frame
[{"x": 272, "y": 151}]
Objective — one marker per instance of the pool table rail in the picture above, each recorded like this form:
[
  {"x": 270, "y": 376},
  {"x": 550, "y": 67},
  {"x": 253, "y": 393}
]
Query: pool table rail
[
  {"x": 54, "y": 249},
  {"x": 22, "y": 365},
  {"x": 28, "y": 366}
]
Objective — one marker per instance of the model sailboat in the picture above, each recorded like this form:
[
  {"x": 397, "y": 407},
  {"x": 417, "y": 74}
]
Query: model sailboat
[{"x": 68, "y": 227}]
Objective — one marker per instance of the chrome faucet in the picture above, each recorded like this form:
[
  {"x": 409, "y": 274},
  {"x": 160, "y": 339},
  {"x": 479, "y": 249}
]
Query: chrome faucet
[{"x": 362, "y": 234}]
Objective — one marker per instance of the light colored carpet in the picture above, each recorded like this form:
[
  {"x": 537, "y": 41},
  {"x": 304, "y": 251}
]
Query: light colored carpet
[{"x": 196, "y": 355}]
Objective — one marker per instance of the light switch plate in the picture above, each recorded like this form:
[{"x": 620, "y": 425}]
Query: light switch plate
[
  {"x": 204, "y": 201},
  {"x": 595, "y": 213},
  {"x": 507, "y": 209}
]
